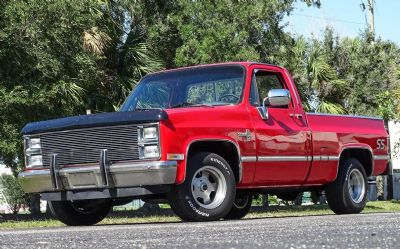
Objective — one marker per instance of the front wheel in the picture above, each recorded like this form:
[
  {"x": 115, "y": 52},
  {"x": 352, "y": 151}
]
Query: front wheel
[
  {"x": 80, "y": 213},
  {"x": 348, "y": 193},
  {"x": 208, "y": 191}
]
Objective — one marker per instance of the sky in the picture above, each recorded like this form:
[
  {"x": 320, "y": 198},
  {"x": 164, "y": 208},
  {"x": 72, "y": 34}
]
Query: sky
[{"x": 346, "y": 17}]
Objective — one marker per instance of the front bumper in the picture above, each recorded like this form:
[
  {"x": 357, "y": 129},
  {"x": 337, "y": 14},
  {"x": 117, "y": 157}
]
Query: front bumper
[{"x": 122, "y": 174}]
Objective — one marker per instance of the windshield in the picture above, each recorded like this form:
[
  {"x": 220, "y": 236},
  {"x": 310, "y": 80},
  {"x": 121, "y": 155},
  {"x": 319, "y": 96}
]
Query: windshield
[{"x": 201, "y": 86}]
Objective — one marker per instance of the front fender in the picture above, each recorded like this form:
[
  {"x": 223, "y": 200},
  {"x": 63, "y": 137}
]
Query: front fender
[{"x": 182, "y": 165}]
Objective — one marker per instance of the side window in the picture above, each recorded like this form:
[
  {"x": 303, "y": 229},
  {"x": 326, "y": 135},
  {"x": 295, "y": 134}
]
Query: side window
[{"x": 262, "y": 83}]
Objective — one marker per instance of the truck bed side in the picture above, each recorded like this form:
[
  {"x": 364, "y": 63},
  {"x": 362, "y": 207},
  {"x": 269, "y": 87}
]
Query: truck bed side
[{"x": 335, "y": 135}]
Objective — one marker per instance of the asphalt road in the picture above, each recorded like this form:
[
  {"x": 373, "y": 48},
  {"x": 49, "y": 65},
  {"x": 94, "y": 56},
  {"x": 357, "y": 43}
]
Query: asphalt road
[{"x": 328, "y": 231}]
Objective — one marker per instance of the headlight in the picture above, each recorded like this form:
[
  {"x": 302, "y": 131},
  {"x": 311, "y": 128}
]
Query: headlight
[
  {"x": 150, "y": 133},
  {"x": 34, "y": 143},
  {"x": 148, "y": 139},
  {"x": 32, "y": 146},
  {"x": 151, "y": 151},
  {"x": 33, "y": 151},
  {"x": 34, "y": 161}
]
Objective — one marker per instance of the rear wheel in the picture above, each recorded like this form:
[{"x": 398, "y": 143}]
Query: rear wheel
[
  {"x": 208, "y": 191},
  {"x": 241, "y": 206},
  {"x": 80, "y": 213},
  {"x": 348, "y": 193}
]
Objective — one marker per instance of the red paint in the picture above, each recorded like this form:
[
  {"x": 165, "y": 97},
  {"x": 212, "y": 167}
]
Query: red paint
[{"x": 282, "y": 134}]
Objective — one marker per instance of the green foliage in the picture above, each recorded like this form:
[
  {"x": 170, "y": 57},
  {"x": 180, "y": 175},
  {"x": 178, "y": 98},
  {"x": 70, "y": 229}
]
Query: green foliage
[
  {"x": 348, "y": 75},
  {"x": 258, "y": 200},
  {"x": 14, "y": 196},
  {"x": 198, "y": 32},
  {"x": 387, "y": 105},
  {"x": 61, "y": 57}
]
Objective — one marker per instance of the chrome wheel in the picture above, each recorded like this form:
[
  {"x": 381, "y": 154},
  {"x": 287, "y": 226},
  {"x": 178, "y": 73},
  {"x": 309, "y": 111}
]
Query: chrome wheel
[
  {"x": 208, "y": 187},
  {"x": 356, "y": 185}
]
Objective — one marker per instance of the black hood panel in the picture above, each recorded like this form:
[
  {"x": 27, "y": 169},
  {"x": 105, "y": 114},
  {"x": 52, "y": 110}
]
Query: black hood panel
[{"x": 95, "y": 120}]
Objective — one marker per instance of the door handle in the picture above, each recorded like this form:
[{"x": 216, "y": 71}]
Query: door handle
[{"x": 297, "y": 115}]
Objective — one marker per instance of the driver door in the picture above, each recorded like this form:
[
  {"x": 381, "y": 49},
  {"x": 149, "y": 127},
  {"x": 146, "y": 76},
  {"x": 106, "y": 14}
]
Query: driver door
[{"x": 283, "y": 139}]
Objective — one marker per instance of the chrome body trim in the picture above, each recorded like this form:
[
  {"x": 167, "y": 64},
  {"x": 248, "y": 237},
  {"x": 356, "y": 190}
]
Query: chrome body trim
[
  {"x": 249, "y": 159},
  {"x": 123, "y": 174},
  {"x": 216, "y": 140},
  {"x": 282, "y": 158},
  {"x": 381, "y": 157},
  {"x": 289, "y": 158},
  {"x": 344, "y": 116},
  {"x": 325, "y": 158}
]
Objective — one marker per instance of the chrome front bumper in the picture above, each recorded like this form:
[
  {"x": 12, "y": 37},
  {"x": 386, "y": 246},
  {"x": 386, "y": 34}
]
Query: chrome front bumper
[{"x": 127, "y": 174}]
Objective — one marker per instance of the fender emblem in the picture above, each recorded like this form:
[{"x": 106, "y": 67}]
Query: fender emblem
[{"x": 246, "y": 134}]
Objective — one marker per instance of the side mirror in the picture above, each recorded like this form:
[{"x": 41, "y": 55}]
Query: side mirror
[{"x": 276, "y": 97}]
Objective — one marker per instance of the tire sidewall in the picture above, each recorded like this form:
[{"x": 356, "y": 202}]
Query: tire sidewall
[
  {"x": 69, "y": 215},
  {"x": 198, "y": 212},
  {"x": 353, "y": 206}
]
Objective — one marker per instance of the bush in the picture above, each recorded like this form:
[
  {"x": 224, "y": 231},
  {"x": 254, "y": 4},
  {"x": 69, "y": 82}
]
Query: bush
[{"x": 12, "y": 192}]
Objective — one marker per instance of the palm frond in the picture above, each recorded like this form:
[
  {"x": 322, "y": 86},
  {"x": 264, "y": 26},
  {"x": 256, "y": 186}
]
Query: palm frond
[
  {"x": 95, "y": 40},
  {"x": 69, "y": 91},
  {"x": 328, "y": 107},
  {"x": 142, "y": 60}
]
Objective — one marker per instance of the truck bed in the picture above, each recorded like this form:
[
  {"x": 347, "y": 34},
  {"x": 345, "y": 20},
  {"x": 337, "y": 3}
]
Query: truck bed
[{"x": 333, "y": 134}]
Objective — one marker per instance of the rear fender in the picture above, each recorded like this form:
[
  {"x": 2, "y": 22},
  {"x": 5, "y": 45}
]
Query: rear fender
[{"x": 362, "y": 152}]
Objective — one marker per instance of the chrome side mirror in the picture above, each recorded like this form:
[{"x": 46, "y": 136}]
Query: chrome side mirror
[{"x": 276, "y": 98}]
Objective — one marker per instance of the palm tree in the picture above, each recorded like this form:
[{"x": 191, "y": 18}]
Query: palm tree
[
  {"x": 325, "y": 89},
  {"x": 124, "y": 56}
]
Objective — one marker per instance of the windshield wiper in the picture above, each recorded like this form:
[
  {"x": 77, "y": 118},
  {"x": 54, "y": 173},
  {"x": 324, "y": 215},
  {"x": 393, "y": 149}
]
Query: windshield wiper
[{"x": 188, "y": 104}]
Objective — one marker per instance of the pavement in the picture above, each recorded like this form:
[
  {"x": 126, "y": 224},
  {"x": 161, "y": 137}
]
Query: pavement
[{"x": 325, "y": 231}]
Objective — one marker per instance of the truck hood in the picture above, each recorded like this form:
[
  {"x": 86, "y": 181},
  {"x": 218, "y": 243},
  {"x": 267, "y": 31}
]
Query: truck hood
[{"x": 95, "y": 120}]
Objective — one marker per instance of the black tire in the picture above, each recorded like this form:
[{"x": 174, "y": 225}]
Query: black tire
[
  {"x": 342, "y": 195},
  {"x": 80, "y": 213},
  {"x": 241, "y": 206},
  {"x": 194, "y": 208}
]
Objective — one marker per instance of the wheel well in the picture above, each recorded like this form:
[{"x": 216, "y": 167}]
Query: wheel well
[
  {"x": 362, "y": 155},
  {"x": 225, "y": 149}
]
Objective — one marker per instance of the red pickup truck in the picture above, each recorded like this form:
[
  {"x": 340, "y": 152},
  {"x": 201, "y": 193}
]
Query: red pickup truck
[{"x": 205, "y": 139}]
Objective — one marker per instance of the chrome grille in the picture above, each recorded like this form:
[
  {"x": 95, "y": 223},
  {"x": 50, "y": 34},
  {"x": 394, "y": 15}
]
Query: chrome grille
[{"x": 84, "y": 145}]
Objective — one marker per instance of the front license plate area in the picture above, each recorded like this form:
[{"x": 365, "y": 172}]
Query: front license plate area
[{"x": 82, "y": 180}]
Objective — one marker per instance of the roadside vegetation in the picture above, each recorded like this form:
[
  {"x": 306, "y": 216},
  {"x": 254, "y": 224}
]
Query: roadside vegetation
[{"x": 118, "y": 217}]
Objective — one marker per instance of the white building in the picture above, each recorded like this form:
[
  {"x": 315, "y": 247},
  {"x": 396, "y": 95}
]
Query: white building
[
  {"x": 394, "y": 133},
  {"x": 3, "y": 170}
]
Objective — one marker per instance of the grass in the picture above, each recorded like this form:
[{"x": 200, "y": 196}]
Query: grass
[{"x": 273, "y": 211}]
